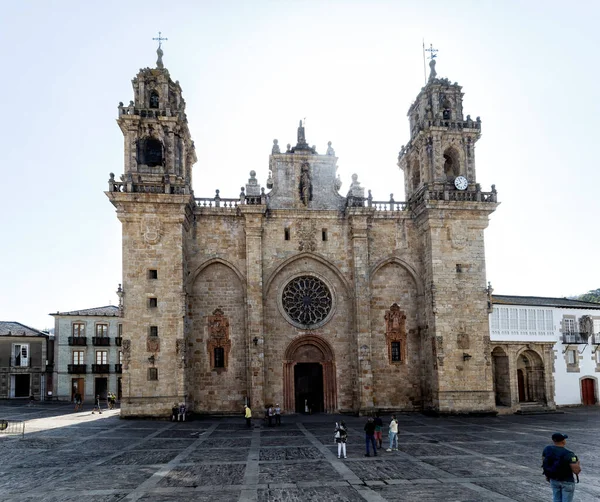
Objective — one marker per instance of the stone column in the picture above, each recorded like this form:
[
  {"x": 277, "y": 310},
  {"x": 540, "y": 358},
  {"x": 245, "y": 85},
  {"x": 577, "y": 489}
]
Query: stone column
[
  {"x": 362, "y": 309},
  {"x": 254, "y": 306}
]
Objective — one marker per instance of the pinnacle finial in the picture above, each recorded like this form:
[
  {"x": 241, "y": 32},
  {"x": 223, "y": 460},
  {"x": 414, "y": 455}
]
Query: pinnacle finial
[{"x": 159, "y": 61}]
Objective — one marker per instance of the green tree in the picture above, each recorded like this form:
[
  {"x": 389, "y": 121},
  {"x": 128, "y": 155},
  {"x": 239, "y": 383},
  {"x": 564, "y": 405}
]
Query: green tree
[{"x": 590, "y": 296}]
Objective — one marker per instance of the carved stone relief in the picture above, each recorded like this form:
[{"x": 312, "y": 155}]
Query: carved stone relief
[
  {"x": 218, "y": 337},
  {"x": 395, "y": 331},
  {"x": 151, "y": 228},
  {"x": 457, "y": 235},
  {"x": 126, "y": 348},
  {"x": 306, "y": 236},
  {"x": 153, "y": 344}
]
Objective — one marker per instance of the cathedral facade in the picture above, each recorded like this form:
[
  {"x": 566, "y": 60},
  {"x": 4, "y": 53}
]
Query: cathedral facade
[{"x": 294, "y": 293}]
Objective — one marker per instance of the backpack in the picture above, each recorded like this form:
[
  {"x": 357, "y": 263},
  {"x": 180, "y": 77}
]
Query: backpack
[{"x": 552, "y": 467}]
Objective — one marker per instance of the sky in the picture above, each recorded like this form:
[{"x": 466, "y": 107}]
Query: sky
[{"x": 249, "y": 72}]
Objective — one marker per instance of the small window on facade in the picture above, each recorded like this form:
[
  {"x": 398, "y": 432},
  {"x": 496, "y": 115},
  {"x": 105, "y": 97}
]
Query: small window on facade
[
  {"x": 219, "y": 357},
  {"x": 120, "y": 330},
  {"x": 101, "y": 357},
  {"x": 21, "y": 355},
  {"x": 324, "y": 234},
  {"x": 571, "y": 357},
  {"x": 152, "y": 274},
  {"x": 154, "y": 99},
  {"x": 396, "y": 352},
  {"x": 458, "y": 268},
  {"x": 569, "y": 325},
  {"x": 286, "y": 234},
  {"x": 152, "y": 373},
  {"x": 101, "y": 330},
  {"x": 78, "y": 329},
  {"x": 153, "y": 302},
  {"x": 78, "y": 357},
  {"x": 153, "y": 330}
]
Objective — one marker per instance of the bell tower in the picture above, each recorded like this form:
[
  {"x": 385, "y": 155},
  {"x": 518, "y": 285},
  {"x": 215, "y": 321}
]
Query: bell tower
[
  {"x": 154, "y": 202},
  {"x": 450, "y": 213},
  {"x": 442, "y": 140}
]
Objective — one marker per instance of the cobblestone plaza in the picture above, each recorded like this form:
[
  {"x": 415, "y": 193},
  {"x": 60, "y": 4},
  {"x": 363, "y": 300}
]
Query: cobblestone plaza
[{"x": 67, "y": 456}]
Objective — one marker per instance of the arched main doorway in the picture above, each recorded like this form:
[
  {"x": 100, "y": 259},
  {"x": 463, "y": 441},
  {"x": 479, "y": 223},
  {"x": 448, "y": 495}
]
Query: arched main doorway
[
  {"x": 309, "y": 376},
  {"x": 530, "y": 378},
  {"x": 501, "y": 377},
  {"x": 588, "y": 391}
]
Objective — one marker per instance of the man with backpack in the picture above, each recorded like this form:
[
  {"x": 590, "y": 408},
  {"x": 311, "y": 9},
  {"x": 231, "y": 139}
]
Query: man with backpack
[{"x": 559, "y": 466}]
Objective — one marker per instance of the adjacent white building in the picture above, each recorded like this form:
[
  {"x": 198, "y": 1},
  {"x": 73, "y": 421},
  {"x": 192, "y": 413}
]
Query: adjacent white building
[
  {"x": 533, "y": 338},
  {"x": 88, "y": 354}
]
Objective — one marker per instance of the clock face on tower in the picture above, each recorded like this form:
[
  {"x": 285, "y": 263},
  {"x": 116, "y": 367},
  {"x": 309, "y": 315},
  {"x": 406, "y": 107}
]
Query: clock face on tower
[{"x": 461, "y": 183}]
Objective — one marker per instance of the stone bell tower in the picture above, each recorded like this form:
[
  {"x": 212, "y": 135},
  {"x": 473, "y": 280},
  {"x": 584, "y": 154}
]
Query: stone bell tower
[
  {"x": 154, "y": 203},
  {"x": 450, "y": 212}
]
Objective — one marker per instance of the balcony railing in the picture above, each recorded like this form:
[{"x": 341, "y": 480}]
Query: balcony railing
[
  {"x": 100, "y": 341},
  {"x": 100, "y": 368},
  {"x": 78, "y": 340},
  {"x": 77, "y": 368},
  {"x": 16, "y": 363},
  {"x": 575, "y": 338},
  {"x": 118, "y": 341},
  {"x": 118, "y": 368}
]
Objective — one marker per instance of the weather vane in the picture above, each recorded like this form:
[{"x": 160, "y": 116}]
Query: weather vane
[
  {"x": 159, "y": 61},
  {"x": 432, "y": 56}
]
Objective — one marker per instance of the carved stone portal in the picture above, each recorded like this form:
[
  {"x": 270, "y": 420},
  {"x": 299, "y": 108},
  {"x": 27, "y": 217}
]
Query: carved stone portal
[
  {"x": 395, "y": 333},
  {"x": 218, "y": 338}
]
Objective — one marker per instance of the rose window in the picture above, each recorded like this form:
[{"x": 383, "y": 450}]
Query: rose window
[{"x": 306, "y": 300}]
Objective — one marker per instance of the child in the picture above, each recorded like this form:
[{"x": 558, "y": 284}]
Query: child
[{"x": 341, "y": 435}]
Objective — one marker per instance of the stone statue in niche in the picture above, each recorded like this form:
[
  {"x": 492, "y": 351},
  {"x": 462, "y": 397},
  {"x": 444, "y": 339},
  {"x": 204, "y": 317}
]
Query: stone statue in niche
[
  {"x": 218, "y": 338},
  {"x": 305, "y": 184}
]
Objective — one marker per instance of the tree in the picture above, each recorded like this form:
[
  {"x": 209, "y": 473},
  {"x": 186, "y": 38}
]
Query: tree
[{"x": 590, "y": 296}]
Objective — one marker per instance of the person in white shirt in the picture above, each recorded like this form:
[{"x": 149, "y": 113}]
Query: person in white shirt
[{"x": 393, "y": 434}]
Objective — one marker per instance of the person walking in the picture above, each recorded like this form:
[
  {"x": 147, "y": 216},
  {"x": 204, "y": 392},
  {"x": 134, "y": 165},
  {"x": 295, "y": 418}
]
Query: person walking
[
  {"x": 277, "y": 414},
  {"x": 341, "y": 435},
  {"x": 370, "y": 437},
  {"x": 393, "y": 434},
  {"x": 559, "y": 465},
  {"x": 270, "y": 413},
  {"x": 97, "y": 405},
  {"x": 77, "y": 401},
  {"x": 248, "y": 415},
  {"x": 378, "y": 427}
]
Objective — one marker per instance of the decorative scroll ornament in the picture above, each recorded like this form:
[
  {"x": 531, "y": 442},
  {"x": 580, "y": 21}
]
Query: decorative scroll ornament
[
  {"x": 151, "y": 228},
  {"x": 307, "y": 301}
]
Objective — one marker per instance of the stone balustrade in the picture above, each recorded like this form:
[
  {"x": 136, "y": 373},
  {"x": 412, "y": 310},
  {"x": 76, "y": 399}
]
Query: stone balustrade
[
  {"x": 148, "y": 112},
  {"x": 132, "y": 187}
]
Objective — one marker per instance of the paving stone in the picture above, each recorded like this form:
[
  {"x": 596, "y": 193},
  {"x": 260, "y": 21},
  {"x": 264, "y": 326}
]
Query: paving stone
[
  {"x": 204, "y": 475},
  {"x": 294, "y": 472},
  {"x": 109, "y": 460},
  {"x": 290, "y": 453},
  {"x": 325, "y": 493},
  {"x": 217, "y": 455},
  {"x": 447, "y": 492},
  {"x": 148, "y": 457}
]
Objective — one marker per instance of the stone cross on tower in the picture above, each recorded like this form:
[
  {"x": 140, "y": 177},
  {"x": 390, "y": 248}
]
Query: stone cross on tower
[{"x": 159, "y": 61}]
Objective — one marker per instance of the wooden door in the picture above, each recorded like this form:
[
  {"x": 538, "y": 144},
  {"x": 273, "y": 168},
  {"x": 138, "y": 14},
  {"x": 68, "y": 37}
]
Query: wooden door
[
  {"x": 77, "y": 386},
  {"x": 588, "y": 391}
]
